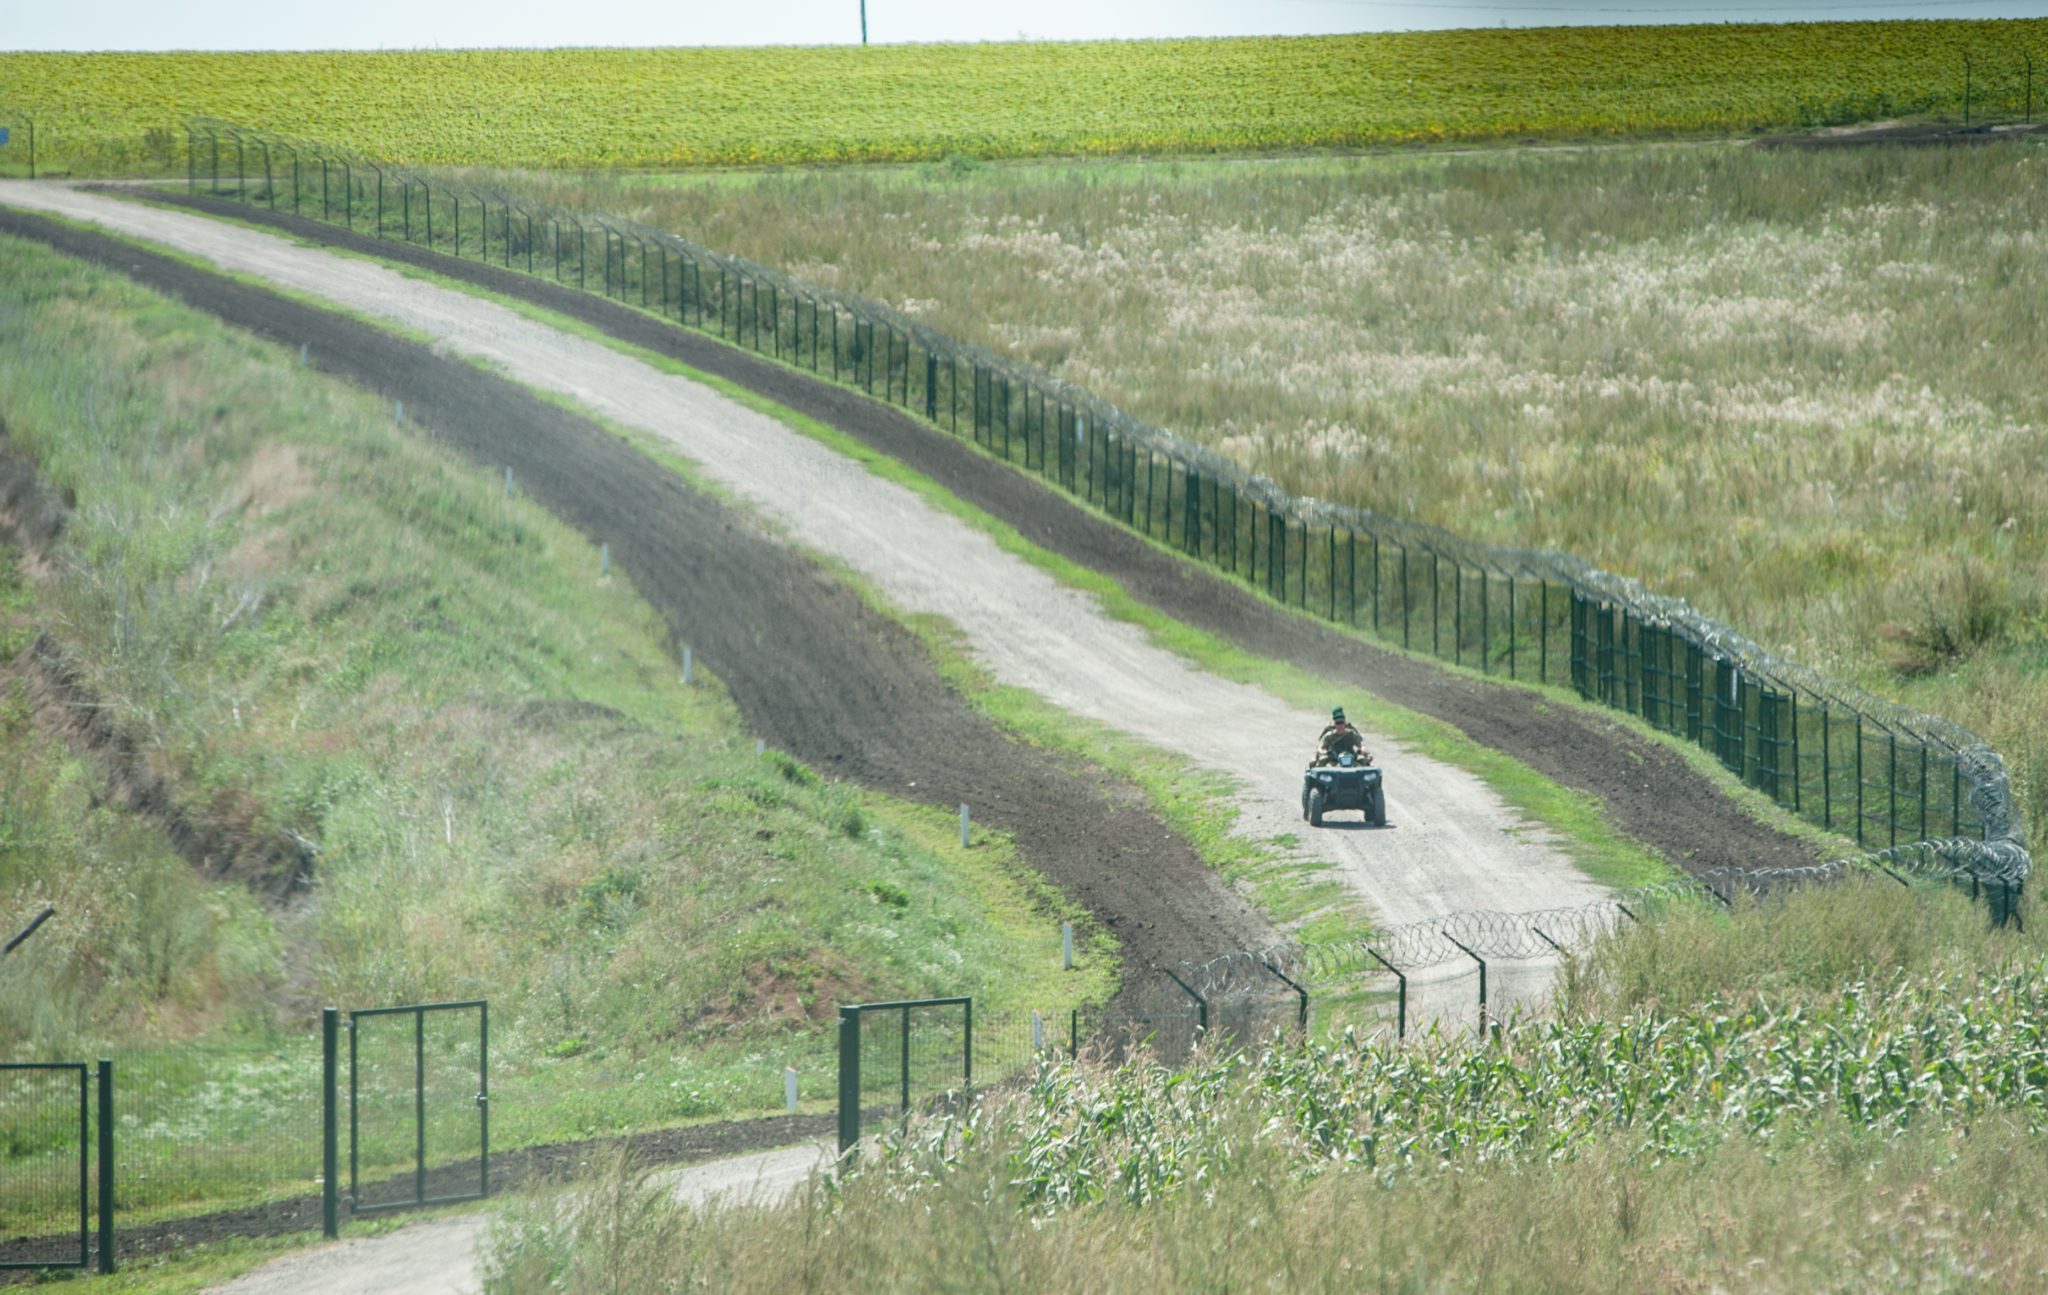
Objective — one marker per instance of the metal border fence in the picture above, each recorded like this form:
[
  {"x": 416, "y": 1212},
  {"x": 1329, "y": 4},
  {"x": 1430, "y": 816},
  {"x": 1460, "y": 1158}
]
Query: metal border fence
[
  {"x": 1834, "y": 754},
  {"x": 95, "y": 1160},
  {"x": 420, "y": 1114}
]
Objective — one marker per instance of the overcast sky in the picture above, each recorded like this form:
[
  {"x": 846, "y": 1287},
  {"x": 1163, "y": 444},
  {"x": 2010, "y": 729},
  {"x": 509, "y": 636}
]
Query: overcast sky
[{"x": 449, "y": 24}]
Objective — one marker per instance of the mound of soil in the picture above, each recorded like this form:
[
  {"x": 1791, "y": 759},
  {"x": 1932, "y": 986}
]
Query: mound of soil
[{"x": 1649, "y": 790}]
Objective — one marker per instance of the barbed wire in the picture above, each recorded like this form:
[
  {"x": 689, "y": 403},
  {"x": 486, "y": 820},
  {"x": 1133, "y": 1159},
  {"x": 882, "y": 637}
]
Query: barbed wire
[
  {"x": 1553, "y": 932},
  {"x": 1989, "y": 788}
]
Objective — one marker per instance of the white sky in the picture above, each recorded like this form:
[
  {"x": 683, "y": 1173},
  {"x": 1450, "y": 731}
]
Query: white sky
[{"x": 448, "y": 24}]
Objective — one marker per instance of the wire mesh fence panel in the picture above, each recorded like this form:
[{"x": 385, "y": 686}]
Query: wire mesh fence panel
[
  {"x": 456, "y": 1108},
  {"x": 418, "y": 1105},
  {"x": 44, "y": 1166},
  {"x": 1611, "y": 639},
  {"x": 383, "y": 1109},
  {"x": 216, "y": 1124}
]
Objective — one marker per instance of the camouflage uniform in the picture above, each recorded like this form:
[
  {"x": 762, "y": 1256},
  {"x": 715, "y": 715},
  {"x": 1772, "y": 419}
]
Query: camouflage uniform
[{"x": 1334, "y": 741}]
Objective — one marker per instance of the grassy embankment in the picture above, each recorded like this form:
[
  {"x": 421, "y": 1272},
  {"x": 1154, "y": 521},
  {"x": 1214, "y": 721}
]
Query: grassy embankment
[
  {"x": 581, "y": 108},
  {"x": 317, "y": 624},
  {"x": 1844, "y": 1092},
  {"x": 1787, "y": 387}
]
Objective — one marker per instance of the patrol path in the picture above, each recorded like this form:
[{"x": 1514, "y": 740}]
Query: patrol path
[{"x": 1451, "y": 843}]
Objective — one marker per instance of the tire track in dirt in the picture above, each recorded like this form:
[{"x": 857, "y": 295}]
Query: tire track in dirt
[{"x": 815, "y": 670}]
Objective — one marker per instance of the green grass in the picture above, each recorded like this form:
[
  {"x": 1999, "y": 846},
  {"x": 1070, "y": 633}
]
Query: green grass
[
  {"x": 1753, "y": 379},
  {"x": 316, "y": 624},
  {"x": 1289, "y": 891},
  {"x": 1196, "y": 807},
  {"x": 1840, "y": 1091},
  {"x": 582, "y": 108}
]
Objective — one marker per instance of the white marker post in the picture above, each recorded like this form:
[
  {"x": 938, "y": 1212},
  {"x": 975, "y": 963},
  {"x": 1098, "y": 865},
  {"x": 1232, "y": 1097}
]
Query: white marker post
[
  {"x": 604, "y": 559},
  {"x": 1037, "y": 1032},
  {"x": 1066, "y": 946},
  {"x": 398, "y": 412},
  {"x": 963, "y": 825},
  {"x": 689, "y": 672},
  {"x": 789, "y": 1088},
  {"x": 508, "y": 483}
]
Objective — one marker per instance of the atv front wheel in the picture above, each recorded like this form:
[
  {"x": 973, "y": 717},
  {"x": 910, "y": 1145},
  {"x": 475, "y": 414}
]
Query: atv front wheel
[
  {"x": 1315, "y": 807},
  {"x": 1376, "y": 812}
]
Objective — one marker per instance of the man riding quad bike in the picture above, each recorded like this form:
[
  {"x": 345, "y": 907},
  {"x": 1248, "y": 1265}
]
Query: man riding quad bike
[{"x": 1341, "y": 776}]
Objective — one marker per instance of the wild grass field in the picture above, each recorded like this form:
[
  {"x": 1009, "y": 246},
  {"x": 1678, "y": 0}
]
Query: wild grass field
[
  {"x": 1845, "y": 1092},
  {"x": 591, "y": 108},
  {"x": 315, "y": 623},
  {"x": 1794, "y": 388}
]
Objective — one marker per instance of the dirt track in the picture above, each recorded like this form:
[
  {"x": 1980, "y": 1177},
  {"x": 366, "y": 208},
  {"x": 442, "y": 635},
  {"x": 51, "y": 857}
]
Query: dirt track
[
  {"x": 1453, "y": 844},
  {"x": 814, "y": 670},
  {"x": 1649, "y": 791},
  {"x": 439, "y": 1257}
]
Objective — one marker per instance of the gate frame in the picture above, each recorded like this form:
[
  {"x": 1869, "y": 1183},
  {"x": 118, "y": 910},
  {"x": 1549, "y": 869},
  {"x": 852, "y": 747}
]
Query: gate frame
[
  {"x": 419, "y": 1011},
  {"x": 102, "y": 1149},
  {"x": 849, "y": 1056}
]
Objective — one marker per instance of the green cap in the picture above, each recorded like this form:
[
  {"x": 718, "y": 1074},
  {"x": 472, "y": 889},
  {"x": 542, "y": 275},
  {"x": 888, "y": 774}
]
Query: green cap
[{"x": 1336, "y": 712}]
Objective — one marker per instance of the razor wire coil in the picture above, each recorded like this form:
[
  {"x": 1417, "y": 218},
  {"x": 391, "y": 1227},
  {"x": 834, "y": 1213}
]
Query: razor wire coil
[{"x": 1979, "y": 769}]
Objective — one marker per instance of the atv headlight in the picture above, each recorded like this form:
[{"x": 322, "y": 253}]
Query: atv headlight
[
  {"x": 1372, "y": 777},
  {"x": 1324, "y": 779}
]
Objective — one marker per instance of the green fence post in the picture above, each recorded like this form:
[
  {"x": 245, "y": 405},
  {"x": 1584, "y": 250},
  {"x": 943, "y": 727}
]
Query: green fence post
[
  {"x": 1892, "y": 775},
  {"x": 1436, "y": 646},
  {"x": 1201, "y": 1003},
  {"x": 849, "y": 1080},
  {"x": 483, "y": 1098},
  {"x": 330, "y": 1188},
  {"x": 1375, "y": 582},
  {"x": 1827, "y": 768},
  {"x": 106, "y": 1166},
  {"x": 968, "y": 1046},
  {"x": 1333, "y": 571},
  {"x": 1482, "y": 978},
  {"x": 1074, "y": 1035},
  {"x": 1401, "y": 1001},
  {"x": 1514, "y": 630},
  {"x": 1302, "y": 580},
  {"x": 1405, "y": 600},
  {"x": 906, "y": 1062},
  {"x": 1859, "y": 777},
  {"x": 419, "y": 1103},
  {"x": 1351, "y": 577},
  {"x": 1955, "y": 767},
  {"x": 1485, "y": 623}
]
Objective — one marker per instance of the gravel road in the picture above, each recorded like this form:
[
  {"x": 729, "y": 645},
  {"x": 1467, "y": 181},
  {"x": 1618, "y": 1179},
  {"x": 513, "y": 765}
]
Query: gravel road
[
  {"x": 1450, "y": 842},
  {"x": 440, "y": 1257}
]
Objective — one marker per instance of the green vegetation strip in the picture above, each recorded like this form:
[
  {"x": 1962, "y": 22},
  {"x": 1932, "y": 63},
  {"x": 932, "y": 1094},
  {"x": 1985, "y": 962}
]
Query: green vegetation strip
[
  {"x": 583, "y": 108},
  {"x": 1837, "y": 1092},
  {"x": 319, "y": 625}
]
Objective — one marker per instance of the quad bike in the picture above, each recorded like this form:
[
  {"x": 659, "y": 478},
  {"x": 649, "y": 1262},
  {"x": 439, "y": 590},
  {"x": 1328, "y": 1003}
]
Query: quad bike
[{"x": 1348, "y": 783}]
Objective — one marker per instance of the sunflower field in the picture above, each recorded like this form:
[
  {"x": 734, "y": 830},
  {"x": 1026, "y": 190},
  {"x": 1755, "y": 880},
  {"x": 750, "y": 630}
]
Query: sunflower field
[{"x": 656, "y": 108}]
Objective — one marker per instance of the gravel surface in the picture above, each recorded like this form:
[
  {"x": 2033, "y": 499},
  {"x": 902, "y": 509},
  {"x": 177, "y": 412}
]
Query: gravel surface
[
  {"x": 439, "y": 1257},
  {"x": 1450, "y": 842}
]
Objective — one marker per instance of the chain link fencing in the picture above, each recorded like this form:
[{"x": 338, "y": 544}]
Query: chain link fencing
[{"x": 1885, "y": 774}]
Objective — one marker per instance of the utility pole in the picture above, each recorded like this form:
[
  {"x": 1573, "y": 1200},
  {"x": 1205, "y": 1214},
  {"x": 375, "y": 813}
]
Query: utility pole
[{"x": 863, "y": 22}]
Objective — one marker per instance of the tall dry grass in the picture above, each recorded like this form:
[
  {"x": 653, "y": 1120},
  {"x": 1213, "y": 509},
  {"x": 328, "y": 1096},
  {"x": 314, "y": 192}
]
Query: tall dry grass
[
  {"x": 1798, "y": 389},
  {"x": 1837, "y": 1125}
]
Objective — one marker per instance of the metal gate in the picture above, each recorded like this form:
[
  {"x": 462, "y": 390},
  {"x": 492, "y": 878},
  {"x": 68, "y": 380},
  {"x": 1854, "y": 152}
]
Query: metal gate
[
  {"x": 49, "y": 1163},
  {"x": 922, "y": 1048},
  {"x": 419, "y": 1124}
]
